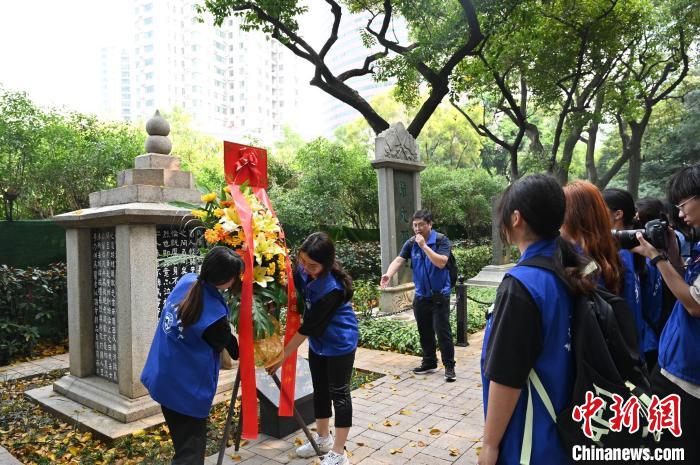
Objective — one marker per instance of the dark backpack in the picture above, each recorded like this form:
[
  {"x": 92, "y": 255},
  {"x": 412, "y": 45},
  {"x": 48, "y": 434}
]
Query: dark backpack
[
  {"x": 451, "y": 261},
  {"x": 607, "y": 362}
]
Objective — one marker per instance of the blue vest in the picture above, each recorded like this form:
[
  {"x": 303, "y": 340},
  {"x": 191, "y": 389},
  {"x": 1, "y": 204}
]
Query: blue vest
[
  {"x": 679, "y": 348},
  {"x": 428, "y": 278},
  {"x": 653, "y": 296},
  {"x": 631, "y": 292},
  {"x": 342, "y": 332},
  {"x": 182, "y": 369},
  {"x": 555, "y": 365}
]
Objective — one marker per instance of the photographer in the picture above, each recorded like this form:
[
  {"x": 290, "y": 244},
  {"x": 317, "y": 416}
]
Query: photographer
[
  {"x": 622, "y": 214},
  {"x": 429, "y": 251},
  {"x": 678, "y": 371}
]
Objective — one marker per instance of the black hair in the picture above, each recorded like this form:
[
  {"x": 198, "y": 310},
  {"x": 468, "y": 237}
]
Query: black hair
[
  {"x": 542, "y": 205},
  {"x": 320, "y": 248},
  {"x": 650, "y": 208},
  {"x": 684, "y": 184},
  {"x": 219, "y": 266},
  {"x": 424, "y": 215},
  {"x": 619, "y": 199}
]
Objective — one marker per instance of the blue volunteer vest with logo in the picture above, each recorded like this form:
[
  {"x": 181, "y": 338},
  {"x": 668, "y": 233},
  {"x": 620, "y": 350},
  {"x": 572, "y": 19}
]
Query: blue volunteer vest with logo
[
  {"x": 342, "y": 333},
  {"x": 182, "y": 369},
  {"x": 428, "y": 278},
  {"x": 631, "y": 292},
  {"x": 653, "y": 296},
  {"x": 554, "y": 366},
  {"x": 679, "y": 348}
]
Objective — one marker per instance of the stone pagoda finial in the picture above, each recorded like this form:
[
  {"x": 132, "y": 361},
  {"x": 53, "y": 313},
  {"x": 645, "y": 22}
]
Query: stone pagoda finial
[{"x": 157, "y": 141}]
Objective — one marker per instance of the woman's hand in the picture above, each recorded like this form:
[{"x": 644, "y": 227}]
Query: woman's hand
[
  {"x": 488, "y": 455},
  {"x": 272, "y": 369}
]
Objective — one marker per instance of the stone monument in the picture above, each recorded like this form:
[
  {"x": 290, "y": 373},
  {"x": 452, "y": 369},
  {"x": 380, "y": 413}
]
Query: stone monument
[
  {"x": 116, "y": 289},
  {"x": 398, "y": 173}
]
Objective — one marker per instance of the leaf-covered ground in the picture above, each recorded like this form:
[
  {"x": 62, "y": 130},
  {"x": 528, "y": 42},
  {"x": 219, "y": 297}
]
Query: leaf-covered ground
[{"x": 34, "y": 436}]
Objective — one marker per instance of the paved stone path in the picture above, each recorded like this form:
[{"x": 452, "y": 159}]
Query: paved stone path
[
  {"x": 400, "y": 417},
  {"x": 397, "y": 419},
  {"x": 34, "y": 367}
]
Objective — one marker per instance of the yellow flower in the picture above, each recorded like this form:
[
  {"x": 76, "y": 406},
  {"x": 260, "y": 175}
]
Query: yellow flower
[
  {"x": 211, "y": 236},
  {"x": 218, "y": 213},
  {"x": 271, "y": 269},
  {"x": 259, "y": 276},
  {"x": 233, "y": 241},
  {"x": 264, "y": 246},
  {"x": 210, "y": 197},
  {"x": 199, "y": 214}
]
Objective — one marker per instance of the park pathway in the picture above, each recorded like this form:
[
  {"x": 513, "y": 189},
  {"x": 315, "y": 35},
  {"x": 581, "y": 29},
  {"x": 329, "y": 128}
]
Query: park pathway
[{"x": 398, "y": 418}]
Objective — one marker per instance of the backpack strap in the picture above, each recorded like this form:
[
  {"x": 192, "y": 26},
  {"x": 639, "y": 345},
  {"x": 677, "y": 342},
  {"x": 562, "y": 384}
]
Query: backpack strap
[{"x": 534, "y": 381}]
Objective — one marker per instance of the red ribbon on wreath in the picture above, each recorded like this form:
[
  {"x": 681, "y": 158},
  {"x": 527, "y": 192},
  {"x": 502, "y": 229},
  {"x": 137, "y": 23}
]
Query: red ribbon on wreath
[
  {"x": 289, "y": 367},
  {"x": 246, "y": 164}
]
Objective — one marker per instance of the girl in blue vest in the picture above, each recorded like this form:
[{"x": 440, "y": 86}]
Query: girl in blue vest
[
  {"x": 331, "y": 327},
  {"x": 528, "y": 331},
  {"x": 657, "y": 299},
  {"x": 622, "y": 215},
  {"x": 182, "y": 368},
  {"x": 678, "y": 371}
]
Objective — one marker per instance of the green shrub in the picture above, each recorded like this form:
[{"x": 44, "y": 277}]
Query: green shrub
[
  {"x": 362, "y": 260},
  {"x": 471, "y": 261},
  {"x": 402, "y": 337},
  {"x": 33, "y": 305},
  {"x": 366, "y": 296}
]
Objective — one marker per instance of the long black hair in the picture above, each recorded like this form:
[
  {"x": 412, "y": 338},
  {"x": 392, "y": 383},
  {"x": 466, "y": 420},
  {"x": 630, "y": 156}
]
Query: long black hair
[
  {"x": 320, "y": 248},
  {"x": 618, "y": 199},
  {"x": 541, "y": 203},
  {"x": 219, "y": 266}
]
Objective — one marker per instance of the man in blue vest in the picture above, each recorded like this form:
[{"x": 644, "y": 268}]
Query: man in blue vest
[{"x": 429, "y": 251}]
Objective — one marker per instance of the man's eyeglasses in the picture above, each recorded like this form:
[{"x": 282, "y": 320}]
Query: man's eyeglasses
[{"x": 683, "y": 204}]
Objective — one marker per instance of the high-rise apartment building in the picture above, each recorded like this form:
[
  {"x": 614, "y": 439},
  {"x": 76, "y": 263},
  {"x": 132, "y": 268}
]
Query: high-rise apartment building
[
  {"x": 235, "y": 84},
  {"x": 115, "y": 81}
]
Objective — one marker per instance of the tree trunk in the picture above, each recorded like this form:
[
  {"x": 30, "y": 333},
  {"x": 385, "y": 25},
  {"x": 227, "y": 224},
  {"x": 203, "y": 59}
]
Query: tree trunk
[
  {"x": 561, "y": 171},
  {"x": 635, "y": 157},
  {"x": 591, "y": 170}
]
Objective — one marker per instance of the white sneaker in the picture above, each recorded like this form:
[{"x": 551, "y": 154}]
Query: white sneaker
[
  {"x": 332, "y": 458},
  {"x": 306, "y": 450}
]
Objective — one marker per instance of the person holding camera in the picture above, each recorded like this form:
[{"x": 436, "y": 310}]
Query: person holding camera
[
  {"x": 678, "y": 371},
  {"x": 622, "y": 216},
  {"x": 429, "y": 251}
]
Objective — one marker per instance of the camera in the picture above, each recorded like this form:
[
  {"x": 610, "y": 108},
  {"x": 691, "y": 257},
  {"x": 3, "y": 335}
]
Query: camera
[{"x": 654, "y": 232}]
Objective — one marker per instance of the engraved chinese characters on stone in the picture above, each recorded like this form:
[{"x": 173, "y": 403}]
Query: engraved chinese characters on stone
[
  {"x": 104, "y": 300},
  {"x": 171, "y": 240}
]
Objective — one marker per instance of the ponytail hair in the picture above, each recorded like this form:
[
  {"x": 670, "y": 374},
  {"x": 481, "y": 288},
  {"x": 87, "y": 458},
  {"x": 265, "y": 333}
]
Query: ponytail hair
[
  {"x": 220, "y": 265},
  {"x": 320, "y": 248},
  {"x": 542, "y": 204}
]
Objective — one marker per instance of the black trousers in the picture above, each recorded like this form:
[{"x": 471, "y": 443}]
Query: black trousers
[
  {"x": 433, "y": 317},
  {"x": 690, "y": 417},
  {"x": 189, "y": 437},
  {"x": 330, "y": 376}
]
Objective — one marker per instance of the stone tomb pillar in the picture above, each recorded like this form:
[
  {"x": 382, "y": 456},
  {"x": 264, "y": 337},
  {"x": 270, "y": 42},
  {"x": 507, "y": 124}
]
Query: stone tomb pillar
[
  {"x": 116, "y": 289},
  {"x": 398, "y": 173}
]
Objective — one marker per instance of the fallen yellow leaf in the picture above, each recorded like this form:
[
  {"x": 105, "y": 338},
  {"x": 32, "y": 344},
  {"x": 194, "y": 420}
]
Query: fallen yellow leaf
[
  {"x": 390, "y": 423},
  {"x": 435, "y": 431},
  {"x": 422, "y": 444},
  {"x": 405, "y": 412},
  {"x": 395, "y": 451},
  {"x": 235, "y": 457},
  {"x": 298, "y": 441},
  {"x": 478, "y": 450},
  {"x": 138, "y": 433},
  {"x": 454, "y": 452},
  {"x": 360, "y": 444}
]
